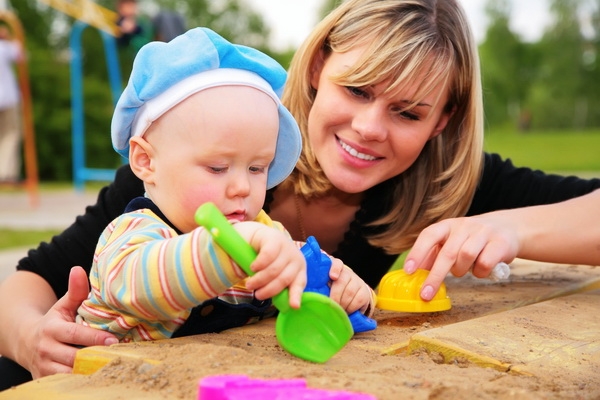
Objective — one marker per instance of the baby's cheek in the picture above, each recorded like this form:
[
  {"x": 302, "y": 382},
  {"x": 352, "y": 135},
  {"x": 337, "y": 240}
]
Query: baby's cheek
[{"x": 195, "y": 197}]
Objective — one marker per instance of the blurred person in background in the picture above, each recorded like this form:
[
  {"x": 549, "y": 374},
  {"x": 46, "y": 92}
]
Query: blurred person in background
[{"x": 11, "y": 52}]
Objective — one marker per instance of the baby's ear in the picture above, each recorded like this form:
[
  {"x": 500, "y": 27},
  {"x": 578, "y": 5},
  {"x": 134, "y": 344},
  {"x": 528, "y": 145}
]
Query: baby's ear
[{"x": 140, "y": 158}]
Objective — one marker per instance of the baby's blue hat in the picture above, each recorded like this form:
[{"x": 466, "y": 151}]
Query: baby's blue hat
[{"x": 164, "y": 74}]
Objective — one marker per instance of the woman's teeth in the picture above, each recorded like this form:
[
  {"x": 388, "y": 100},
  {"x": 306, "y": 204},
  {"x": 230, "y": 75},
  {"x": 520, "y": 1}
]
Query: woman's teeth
[{"x": 355, "y": 153}]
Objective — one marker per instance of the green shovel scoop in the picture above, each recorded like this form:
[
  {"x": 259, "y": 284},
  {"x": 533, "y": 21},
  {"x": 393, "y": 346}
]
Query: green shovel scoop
[{"x": 315, "y": 331}]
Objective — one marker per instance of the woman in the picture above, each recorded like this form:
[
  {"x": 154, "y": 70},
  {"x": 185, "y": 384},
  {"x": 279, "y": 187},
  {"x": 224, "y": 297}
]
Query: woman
[
  {"x": 388, "y": 98},
  {"x": 387, "y": 94}
]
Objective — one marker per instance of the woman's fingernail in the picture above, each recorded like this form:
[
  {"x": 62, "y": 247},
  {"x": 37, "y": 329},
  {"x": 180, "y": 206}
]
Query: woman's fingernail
[
  {"x": 410, "y": 266},
  {"x": 427, "y": 293}
]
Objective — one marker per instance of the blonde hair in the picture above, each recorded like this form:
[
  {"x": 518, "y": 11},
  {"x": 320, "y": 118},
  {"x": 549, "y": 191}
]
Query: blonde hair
[{"x": 405, "y": 40}]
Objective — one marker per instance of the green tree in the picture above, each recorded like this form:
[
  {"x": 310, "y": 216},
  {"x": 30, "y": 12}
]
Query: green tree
[
  {"x": 506, "y": 69},
  {"x": 558, "y": 98},
  {"x": 591, "y": 66},
  {"x": 327, "y": 6}
]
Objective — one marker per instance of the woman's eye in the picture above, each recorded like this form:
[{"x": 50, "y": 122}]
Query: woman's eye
[
  {"x": 409, "y": 115},
  {"x": 357, "y": 92},
  {"x": 406, "y": 114}
]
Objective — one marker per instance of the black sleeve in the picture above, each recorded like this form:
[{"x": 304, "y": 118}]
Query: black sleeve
[
  {"x": 76, "y": 245},
  {"x": 504, "y": 186}
]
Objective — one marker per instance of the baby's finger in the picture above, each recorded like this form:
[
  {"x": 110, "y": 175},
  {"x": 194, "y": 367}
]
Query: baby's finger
[
  {"x": 337, "y": 266},
  {"x": 265, "y": 259},
  {"x": 296, "y": 289},
  {"x": 338, "y": 288}
]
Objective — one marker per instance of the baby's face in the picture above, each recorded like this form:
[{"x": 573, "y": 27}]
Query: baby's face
[{"x": 214, "y": 146}]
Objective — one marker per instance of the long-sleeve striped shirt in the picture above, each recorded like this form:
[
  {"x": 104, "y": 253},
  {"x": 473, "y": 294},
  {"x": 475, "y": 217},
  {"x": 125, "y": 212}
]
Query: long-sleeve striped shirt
[{"x": 146, "y": 277}]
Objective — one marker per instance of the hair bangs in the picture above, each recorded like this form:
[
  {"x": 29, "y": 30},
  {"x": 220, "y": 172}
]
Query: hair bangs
[{"x": 397, "y": 58}]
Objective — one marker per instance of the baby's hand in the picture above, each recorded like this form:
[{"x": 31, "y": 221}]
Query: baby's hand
[
  {"x": 279, "y": 263},
  {"x": 348, "y": 289}
]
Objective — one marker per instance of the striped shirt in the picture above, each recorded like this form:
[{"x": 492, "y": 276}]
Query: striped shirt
[{"x": 146, "y": 277}]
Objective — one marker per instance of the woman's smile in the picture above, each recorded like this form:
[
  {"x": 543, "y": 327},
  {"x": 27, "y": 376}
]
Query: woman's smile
[{"x": 356, "y": 153}]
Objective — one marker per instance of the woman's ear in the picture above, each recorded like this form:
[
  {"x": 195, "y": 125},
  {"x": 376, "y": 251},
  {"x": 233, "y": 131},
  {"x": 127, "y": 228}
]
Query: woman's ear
[
  {"x": 443, "y": 121},
  {"x": 315, "y": 69},
  {"x": 140, "y": 158}
]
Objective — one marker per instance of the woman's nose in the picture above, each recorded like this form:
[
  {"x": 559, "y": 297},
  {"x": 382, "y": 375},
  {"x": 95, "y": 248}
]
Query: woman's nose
[{"x": 369, "y": 122}]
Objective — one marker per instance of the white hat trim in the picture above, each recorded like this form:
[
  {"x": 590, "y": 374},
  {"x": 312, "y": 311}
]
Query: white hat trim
[{"x": 154, "y": 108}]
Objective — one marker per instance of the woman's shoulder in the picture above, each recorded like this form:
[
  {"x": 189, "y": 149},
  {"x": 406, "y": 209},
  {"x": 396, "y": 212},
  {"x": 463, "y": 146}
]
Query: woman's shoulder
[
  {"x": 126, "y": 183},
  {"x": 504, "y": 185}
]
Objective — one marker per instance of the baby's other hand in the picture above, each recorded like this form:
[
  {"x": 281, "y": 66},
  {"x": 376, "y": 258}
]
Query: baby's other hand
[{"x": 348, "y": 289}]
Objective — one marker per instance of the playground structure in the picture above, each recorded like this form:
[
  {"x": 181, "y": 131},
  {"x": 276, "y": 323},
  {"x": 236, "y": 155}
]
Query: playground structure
[
  {"x": 31, "y": 181},
  {"x": 86, "y": 13}
]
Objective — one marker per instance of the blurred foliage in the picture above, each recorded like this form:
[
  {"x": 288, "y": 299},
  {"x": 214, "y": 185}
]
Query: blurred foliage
[{"x": 553, "y": 83}]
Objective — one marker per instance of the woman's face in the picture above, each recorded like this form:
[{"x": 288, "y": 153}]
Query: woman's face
[{"x": 359, "y": 135}]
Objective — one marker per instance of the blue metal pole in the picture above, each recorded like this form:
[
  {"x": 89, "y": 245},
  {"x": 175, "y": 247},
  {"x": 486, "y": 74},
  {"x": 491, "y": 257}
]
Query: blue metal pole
[{"x": 78, "y": 128}]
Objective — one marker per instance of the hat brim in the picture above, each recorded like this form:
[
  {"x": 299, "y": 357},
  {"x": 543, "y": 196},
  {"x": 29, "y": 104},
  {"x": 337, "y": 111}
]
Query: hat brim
[{"x": 288, "y": 148}]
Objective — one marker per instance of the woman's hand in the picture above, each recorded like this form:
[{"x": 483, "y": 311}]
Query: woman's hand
[
  {"x": 54, "y": 338},
  {"x": 460, "y": 245}
]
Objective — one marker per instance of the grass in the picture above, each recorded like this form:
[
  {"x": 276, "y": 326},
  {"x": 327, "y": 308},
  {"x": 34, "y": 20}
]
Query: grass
[
  {"x": 14, "y": 238},
  {"x": 11, "y": 238},
  {"x": 563, "y": 152}
]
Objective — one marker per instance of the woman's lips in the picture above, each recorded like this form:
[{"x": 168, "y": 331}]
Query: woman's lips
[{"x": 356, "y": 153}]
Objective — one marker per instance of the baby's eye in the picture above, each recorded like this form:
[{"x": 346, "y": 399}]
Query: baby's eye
[
  {"x": 257, "y": 170},
  {"x": 217, "y": 170}
]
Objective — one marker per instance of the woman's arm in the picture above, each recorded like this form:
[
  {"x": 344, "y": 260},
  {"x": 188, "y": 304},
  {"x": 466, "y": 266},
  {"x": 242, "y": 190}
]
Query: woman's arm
[
  {"x": 504, "y": 186},
  {"x": 565, "y": 232},
  {"x": 42, "y": 329}
]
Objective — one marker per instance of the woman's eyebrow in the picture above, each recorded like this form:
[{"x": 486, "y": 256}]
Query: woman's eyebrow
[{"x": 420, "y": 104}]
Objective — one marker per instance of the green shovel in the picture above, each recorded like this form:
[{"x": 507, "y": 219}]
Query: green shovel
[{"x": 315, "y": 331}]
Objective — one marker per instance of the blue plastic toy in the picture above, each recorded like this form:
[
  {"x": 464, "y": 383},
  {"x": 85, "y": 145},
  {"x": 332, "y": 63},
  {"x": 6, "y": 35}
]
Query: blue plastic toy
[{"x": 318, "y": 265}]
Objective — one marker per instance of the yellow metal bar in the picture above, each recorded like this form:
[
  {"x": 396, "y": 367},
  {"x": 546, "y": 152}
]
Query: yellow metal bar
[{"x": 88, "y": 12}]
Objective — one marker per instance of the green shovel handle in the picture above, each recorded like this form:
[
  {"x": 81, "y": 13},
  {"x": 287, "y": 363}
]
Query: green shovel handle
[{"x": 224, "y": 234}]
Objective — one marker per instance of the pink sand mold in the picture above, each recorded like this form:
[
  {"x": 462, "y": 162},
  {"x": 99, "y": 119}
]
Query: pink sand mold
[{"x": 242, "y": 387}]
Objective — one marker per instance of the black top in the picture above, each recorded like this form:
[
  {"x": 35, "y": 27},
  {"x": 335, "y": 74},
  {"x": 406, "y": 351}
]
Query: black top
[{"x": 503, "y": 186}]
